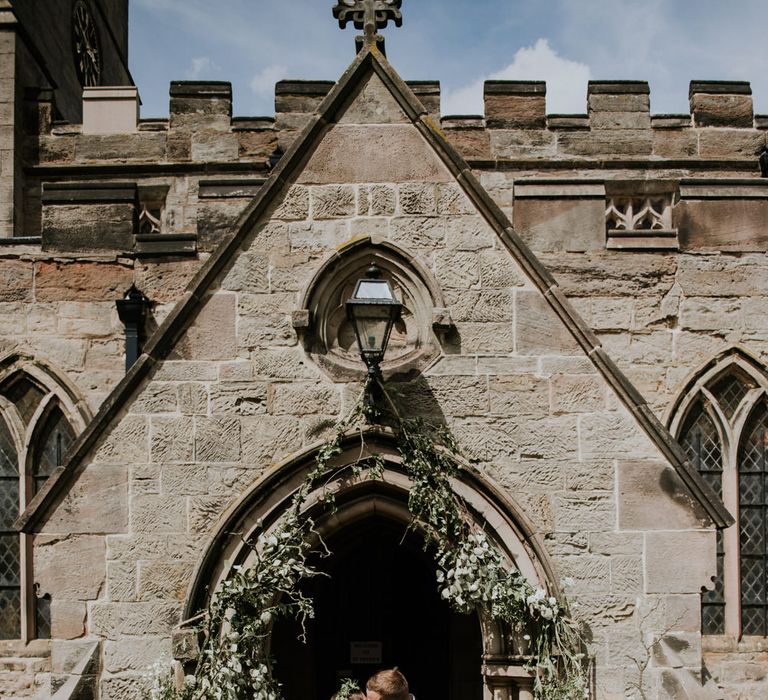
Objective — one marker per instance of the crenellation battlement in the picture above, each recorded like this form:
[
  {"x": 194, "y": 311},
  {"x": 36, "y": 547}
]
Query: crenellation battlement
[
  {"x": 515, "y": 126},
  {"x": 515, "y": 104}
]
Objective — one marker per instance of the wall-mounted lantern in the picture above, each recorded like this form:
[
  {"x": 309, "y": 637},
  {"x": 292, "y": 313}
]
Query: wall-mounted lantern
[
  {"x": 372, "y": 311},
  {"x": 132, "y": 310}
]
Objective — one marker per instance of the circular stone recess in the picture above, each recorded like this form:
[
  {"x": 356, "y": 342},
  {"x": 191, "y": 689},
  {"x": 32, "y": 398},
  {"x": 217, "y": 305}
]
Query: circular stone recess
[{"x": 330, "y": 339}]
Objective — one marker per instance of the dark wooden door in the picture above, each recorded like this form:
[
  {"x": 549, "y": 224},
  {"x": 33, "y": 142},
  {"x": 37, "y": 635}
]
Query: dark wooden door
[{"x": 380, "y": 590}]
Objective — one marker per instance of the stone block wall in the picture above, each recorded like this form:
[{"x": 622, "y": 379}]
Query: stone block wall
[
  {"x": 239, "y": 393},
  {"x": 529, "y": 409},
  {"x": 62, "y": 310},
  {"x": 24, "y": 670}
]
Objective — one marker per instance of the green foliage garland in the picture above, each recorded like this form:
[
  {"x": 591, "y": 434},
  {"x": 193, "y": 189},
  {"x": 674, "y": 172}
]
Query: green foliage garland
[{"x": 234, "y": 661}]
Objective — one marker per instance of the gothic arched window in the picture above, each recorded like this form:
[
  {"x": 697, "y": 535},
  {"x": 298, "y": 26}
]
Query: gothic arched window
[
  {"x": 753, "y": 509},
  {"x": 34, "y": 436},
  {"x": 702, "y": 444},
  {"x": 10, "y": 542},
  {"x": 722, "y": 425}
]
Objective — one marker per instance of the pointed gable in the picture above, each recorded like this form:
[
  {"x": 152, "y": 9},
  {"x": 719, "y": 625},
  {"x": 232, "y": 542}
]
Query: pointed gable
[{"x": 369, "y": 131}]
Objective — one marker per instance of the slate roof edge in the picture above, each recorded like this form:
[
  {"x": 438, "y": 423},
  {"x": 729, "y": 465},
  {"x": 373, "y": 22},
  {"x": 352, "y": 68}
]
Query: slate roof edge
[{"x": 170, "y": 330}]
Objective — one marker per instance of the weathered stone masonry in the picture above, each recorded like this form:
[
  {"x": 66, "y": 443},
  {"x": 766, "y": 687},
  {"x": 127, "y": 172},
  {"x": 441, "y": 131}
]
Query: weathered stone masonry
[{"x": 238, "y": 393}]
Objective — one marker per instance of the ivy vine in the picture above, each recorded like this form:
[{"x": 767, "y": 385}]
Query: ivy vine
[{"x": 234, "y": 661}]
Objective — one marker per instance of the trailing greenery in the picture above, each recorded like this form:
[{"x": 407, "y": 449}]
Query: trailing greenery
[{"x": 234, "y": 661}]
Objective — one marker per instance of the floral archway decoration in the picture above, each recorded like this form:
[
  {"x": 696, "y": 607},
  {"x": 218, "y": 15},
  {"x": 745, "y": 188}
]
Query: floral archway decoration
[{"x": 234, "y": 661}]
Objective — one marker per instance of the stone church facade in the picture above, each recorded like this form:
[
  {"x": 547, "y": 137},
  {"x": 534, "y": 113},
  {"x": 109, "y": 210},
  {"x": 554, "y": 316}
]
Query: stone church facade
[{"x": 584, "y": 309}]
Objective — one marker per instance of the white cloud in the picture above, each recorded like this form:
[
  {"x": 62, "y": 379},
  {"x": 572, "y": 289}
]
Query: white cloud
[
  {"x": 263, "y": 83},
  {"x": 201, "y": 67},
  {"x": 566, "y": 81}
]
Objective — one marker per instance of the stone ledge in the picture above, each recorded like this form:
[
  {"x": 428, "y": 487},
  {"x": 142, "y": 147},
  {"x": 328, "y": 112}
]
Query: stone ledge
[
  {"x": 64, "y": 128},
  {"x": 463, "y": 121},
  {"x": 670, "y": 121},
  {"x": 152, "y": 244},
  {"x": 16, "y": 648},
  {"x": 567, "y": 121},
  {"x": 253, "y": 123},
  {"x": 314, "y": 88},
  {"x": 618, "y": 87},
  {"x": 89, "y": 192},
  {"x": 726, "y": 188},
  {"x": 659, "y": 239},
  {"x": 726, "y": 644},
  {"x": 514, "y": 87},
  {"x": 153, "y": 124},
  {"x": 21, "y": 241},
  {"x": 719, "y": 87},
  {"x": 207, "y": 89},
  {"x": 223, "y": 189},
  {"x": 546, "y": 188}
]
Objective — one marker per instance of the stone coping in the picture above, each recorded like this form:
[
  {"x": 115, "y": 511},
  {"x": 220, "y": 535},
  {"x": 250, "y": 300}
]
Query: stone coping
[{"x": 720, "y": 87}]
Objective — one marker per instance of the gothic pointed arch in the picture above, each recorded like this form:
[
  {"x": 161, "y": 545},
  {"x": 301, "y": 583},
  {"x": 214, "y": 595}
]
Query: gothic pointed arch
[
  {"x": 360, "y": 499},
  {"x": 721, "y": 421},
  {"x": 329, "y": 337},
  {"x": 40, "y": 414}
]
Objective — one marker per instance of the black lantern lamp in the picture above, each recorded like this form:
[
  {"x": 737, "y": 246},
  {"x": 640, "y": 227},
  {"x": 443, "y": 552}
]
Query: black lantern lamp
[
  {"x": 132, "y": 310},
  {"x": 372, "y": 311}
]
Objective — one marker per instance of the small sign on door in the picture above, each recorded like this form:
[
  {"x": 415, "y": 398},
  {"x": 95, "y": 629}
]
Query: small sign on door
[{"x": 365, "y": 652}]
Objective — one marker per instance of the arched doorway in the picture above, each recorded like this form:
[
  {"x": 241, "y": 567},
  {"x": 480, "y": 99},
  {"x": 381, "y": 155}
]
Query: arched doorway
[
  {"x": 372, "y": 515},
  {"x": 379, "y": 607}
]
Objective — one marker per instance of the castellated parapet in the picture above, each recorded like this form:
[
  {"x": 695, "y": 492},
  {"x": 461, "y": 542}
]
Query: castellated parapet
[
  {"x": 618, "y": 125},
  {"x": 189, "y": 176}
]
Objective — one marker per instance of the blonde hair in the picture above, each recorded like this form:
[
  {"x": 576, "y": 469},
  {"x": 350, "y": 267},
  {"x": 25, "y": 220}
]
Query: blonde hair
[{"x": 389, "y": 684}]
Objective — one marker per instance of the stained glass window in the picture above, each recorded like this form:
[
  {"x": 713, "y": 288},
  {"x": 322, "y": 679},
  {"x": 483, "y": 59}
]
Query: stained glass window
[
  {"x": 702, "y": 445},
  {"x": 753, "y": 514},
  {"x": 10, "y": 555}
]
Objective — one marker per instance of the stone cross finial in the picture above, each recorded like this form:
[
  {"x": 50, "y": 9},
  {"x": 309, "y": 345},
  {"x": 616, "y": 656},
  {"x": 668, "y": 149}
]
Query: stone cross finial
[{"x": 368, "y": 15}]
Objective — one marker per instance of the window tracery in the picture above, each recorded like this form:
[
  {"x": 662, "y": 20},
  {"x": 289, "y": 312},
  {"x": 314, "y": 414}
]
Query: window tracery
[
  {"x": 701, "y": 443},
  {"x": 723, "y": 427},
  {"x": 639, "y": 213},
  {"x": 35, "y": 434},
  {"x": 10, "y": 551},
  {"x": 753, "y": 532}
]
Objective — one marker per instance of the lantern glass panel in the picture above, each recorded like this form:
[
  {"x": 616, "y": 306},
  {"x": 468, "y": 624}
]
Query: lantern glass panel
[
  {"x": 374, "y": 289},
  {"x": 373, "y": 333}
]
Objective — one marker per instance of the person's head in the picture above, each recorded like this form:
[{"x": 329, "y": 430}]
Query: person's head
[
  {"x": 354, "y": 695},
  {"x": 387, "y": 685}
]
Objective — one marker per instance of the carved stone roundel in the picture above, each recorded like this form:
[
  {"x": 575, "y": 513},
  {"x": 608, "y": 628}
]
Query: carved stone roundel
[{"x": 331, "y": 339}]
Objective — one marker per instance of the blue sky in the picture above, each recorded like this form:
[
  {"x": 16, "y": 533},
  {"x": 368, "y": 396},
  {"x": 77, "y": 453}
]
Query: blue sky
[{"x": 254, "y": 43}]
